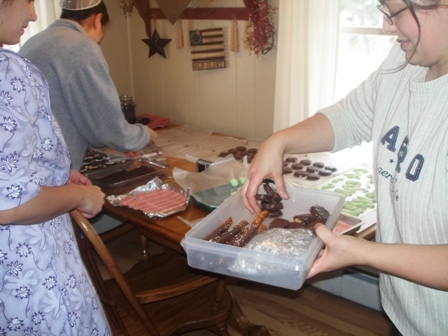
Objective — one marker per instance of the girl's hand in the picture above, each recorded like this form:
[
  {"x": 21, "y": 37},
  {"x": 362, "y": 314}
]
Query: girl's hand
[
  {"x": 92, "y": 201},
  {"x": 77, "y": 178},
  {"x": 339, "y": 252},
  {"x": 268, "y": 163}
]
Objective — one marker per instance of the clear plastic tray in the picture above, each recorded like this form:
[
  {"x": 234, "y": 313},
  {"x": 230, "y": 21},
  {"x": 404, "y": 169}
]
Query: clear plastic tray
[{"x": 273, "y": 269}]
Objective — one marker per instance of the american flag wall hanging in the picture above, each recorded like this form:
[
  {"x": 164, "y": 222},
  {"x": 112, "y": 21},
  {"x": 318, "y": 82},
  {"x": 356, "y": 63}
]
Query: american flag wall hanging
[{"x": 207, "y": 49}]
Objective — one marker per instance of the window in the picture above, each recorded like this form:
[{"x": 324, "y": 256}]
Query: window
[{"x": 362, "y": 45}]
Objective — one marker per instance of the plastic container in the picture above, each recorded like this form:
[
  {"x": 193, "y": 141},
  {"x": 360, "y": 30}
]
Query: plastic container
[
  {"x": 122, "y": 186},
  {"x": 274, "y": 270}
]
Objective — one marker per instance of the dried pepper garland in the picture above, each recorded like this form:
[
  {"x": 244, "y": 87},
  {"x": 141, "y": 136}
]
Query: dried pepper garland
[
  {"x": 127, "y": 6},
  {"x": 260, "y": 28}
]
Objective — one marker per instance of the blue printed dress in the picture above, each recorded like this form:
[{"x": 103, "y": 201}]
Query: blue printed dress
[{"x": 44, "y": 287}]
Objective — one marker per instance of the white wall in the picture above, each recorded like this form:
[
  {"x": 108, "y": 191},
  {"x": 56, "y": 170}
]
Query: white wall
[{"x": 237, "y": 100}]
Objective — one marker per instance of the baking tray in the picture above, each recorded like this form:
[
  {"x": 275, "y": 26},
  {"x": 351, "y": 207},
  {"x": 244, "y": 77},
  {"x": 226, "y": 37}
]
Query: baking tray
[{"x": 126, "y": 184}]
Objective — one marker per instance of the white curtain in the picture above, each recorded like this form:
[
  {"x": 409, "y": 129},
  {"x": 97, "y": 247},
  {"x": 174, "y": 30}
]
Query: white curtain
[
  {"x": 47, "y": 12},
  {"x": 306, "y": 59}
]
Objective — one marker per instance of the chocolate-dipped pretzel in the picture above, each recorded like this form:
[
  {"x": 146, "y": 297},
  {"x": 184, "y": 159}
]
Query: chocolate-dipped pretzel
[
  {"x": 249, "y": 231},
  {"x": 244, "y": 236},
  {"x": 220, "y": 229},
  {"x": 225, "y": 237},
  {"x": 260, "y": 217}
]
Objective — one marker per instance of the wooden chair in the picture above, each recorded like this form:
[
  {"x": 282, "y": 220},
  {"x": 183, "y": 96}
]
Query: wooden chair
[{"x": 168, "y": 297}]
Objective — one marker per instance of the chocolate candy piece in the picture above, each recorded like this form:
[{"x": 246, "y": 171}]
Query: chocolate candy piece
[
  {"x": 300, "y": 173},
  {"x": 318, "y": 164},
  {"x": 313, "y": 177},
  {"x": 303, "y": 218},
  {"x": 241, "y": 149},
  {"x": 264, "y": 198},
  {"x": 294, "y": 225},
  {"x": 272, "y": 206},
  {"x": 252, "y": 150},
  {"x": 319, "y": 213},
  {"x": 279, "y": 223},
  {"x": 286, "y": 170},
  {"x": 312, "y": 224},
  {"x": 312, "y": 170},
  {"x": 306, "y": 162},
  {"x": 275, "y": 197},
  {"x": 276, "y": 213},
  {"x": 331, "y": 168},
  {"x": 285, "y": 164},
  {"x": 297, "y": 166},
  {"x": 324, "y": 172},
  {"x": 291, "y": 159}
]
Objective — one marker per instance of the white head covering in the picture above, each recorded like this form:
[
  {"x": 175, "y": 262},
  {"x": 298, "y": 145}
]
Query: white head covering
[{"x": 78, "y": 4}]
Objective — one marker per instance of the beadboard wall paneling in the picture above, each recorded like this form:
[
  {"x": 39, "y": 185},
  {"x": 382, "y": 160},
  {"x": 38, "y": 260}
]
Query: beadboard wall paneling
[{"x": 237, "y": 100}]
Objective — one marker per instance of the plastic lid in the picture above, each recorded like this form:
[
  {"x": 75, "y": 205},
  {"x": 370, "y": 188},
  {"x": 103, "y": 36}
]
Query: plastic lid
[{"x": 78, "y": 4}]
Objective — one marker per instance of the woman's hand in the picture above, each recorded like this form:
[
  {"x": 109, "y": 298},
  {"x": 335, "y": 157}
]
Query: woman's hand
[
  {"x": 340, "y": 251},
  {"x": 77, "y": 178},
  {"x": 92, "y": 201},
  {"x": 312, "y": 135},
  {"x": 268, "y": 163}
]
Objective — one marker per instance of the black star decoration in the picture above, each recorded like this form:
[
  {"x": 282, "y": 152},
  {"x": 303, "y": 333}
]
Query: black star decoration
[{"x": 156, "y": 44}]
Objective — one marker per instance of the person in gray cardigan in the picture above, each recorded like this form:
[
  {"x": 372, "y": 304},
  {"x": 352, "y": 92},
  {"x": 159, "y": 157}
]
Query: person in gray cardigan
[{"x": 84, "y": 98}]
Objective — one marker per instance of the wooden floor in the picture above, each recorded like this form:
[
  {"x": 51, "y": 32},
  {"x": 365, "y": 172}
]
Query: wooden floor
[{"x": 308, "y": 311}]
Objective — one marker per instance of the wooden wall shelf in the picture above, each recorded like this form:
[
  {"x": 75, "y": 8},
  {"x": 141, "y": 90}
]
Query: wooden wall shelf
[
  {"x": 218, "y": 13},
  {"x": 198, "y": 13}
]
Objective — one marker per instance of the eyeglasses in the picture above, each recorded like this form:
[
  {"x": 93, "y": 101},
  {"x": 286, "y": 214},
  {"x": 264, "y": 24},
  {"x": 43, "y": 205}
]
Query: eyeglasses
[{"x": 389, "y": 16}]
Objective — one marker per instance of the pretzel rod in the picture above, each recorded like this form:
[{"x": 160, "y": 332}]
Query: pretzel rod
[
  {"x": 227, "y": 235},
  {"x": 220, "y": 229},
  {"x": 260, "y": 217},
  {"x": 261, "y": 228},
  {"x": 244, "y": 236}
]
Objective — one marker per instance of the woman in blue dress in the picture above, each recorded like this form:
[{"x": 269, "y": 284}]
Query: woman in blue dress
[{"x": 44, "y": 286}]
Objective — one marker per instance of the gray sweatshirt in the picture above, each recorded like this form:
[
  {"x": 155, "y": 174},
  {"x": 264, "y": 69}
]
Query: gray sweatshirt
[
  {"x": 407, "y": 120},
  {"x": 84, "y": 99}
]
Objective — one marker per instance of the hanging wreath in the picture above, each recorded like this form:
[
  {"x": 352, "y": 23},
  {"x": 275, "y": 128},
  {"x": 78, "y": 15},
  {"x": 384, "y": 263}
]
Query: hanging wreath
[
  {"x": 260, "y": 28},
  {"x": 127, "y": 6}
]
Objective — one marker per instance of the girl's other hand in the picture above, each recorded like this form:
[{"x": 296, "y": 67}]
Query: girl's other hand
[
  {"x": 92, "y": 201},
  {"x": 77, "y": 178}
]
